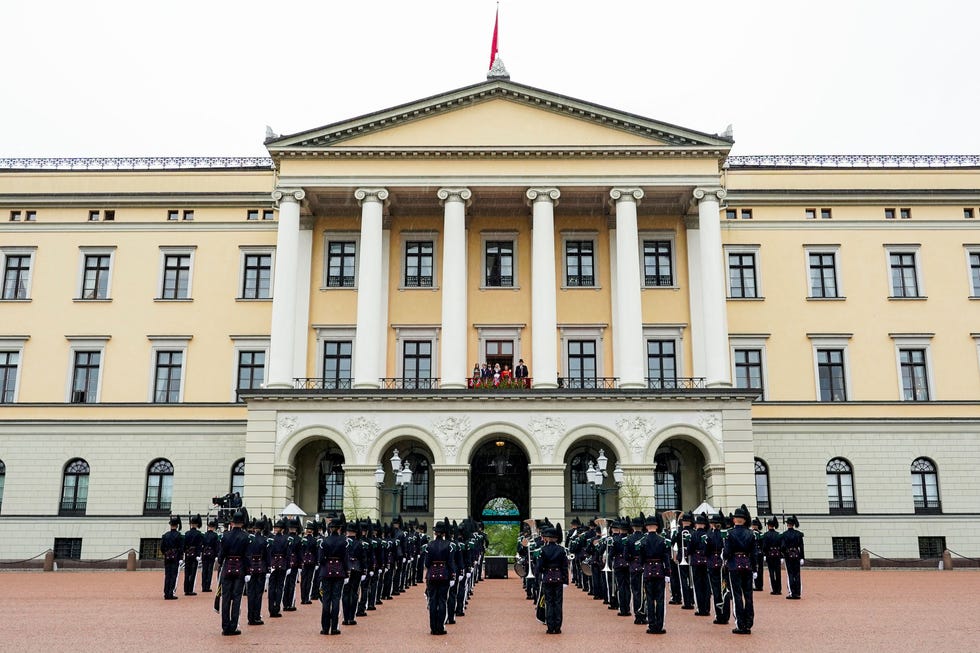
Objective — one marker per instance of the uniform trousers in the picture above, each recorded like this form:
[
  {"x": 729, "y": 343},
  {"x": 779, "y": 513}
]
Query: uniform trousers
[
  {"x": 623, "y": 591},
  {"x": 330, "y": 592},
  {"x": 553, "y": 604},
  {"x": 207, "y": 572},
  {"x": 190, "y": 573},
  {"x": 289, "y": 588},
  {"x": 349, "y": 596},
  {"x": 636, "y": 589},
  {"x": 365, "y": 590},
  {"x": 686, "y": 572},
  {"x": 306, "y": 583},
  {"x": 675, "y": 582},
  {"x": 276, "y": 581},
  {"x": 758, "y": 575},
  {"x": 722, "y": 604},
  {"x": 254, "y": 590},
  {"x": 438, "y": 592},
  {"x": 656, "y": 590},
  {"x": 231, "y": 602},
  {"x": 741, "y": 585},
  {"x": 793, "y": 577},
  {"x": 775, "y": 575},
  {"x": 170, "y": 577},
  {"x": 702, "y": 588}
]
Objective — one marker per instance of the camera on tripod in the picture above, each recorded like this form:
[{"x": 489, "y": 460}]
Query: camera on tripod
[{"x": 227, "y": 505}]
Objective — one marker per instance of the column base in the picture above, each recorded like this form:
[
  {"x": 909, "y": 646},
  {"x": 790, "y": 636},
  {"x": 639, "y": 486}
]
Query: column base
[
  {"x": 718, "y": 384},
  {"x": 280, "y": 385},
  {"x": 633, "y": 385},
  {"x": 366, "y": 385}
]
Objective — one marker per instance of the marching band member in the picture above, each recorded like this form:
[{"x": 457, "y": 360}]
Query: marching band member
[
  {"x": 635, "y": 567},
  {"x": 356, "y": 565},
  {"x": 552, "y": 570},
  {"x": 307, "y": 558},
  {"x": 791, "y": 548},
  {"x": 739, "y": 553},
  {"x": 653, "y": 552},
  {"x": 698, "y": 554},
  {"x": 681, "y": 539},
  {"x": 715, "y": 547},
  {"x": 440, "y": 576},
  {"x": 278, "y": 553},
  {"x": 209, "y": 549},
  {"x": 193, "y": 539}
]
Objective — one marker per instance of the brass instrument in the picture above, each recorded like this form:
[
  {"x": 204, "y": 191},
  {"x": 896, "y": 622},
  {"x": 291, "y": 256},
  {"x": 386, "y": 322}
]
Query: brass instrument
[{"x": 534, "y": 533}]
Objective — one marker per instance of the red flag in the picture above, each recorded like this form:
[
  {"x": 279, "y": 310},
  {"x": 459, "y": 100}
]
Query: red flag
[{"x": 493, "y": 44}]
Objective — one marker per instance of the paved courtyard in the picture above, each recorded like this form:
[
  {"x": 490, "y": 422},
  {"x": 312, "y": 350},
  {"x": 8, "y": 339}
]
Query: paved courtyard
[{"x": 841, "y": 611}]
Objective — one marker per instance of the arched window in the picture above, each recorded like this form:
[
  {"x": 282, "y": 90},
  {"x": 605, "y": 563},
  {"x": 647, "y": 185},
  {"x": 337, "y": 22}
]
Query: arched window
[
  {"x": 3, "y": 475},
  {"x": 840, "y": 487},
  {"x": 415, "y": 495},
  {"x": 925, "y": 486},
  {"x": 762, "y": 502},
  {"x": 238, "y": 477},
  {"x": 159, "y": 487},
  {"x": 331, "y": 495},
  {"x": 74, "y": 488},
  {"x": 584, "y": 497},
  {"x": 667, "y": 480}
]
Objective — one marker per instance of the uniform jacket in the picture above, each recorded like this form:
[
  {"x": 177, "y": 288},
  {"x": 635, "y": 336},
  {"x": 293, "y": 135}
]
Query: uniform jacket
[
  {"x": 172, "y": 546},
  {"x": 333, "y": 546},
  {"x": 740, "y": 541},
  {"x": 770, "y": 544},
  {"x": 440, "y": 551},
  {"x": 653, "y": 548},
  {"x": 790, "y": 540},
  {"x": 234, "y": 544},
  {"x": 257, "y": 551},
  {"x": 193, "y": 539},
  {"x": 209, "y": 544},
  {"x": 553, "y": 557}
]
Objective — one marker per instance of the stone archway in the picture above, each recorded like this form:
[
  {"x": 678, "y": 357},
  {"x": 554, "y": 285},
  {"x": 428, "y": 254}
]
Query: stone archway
[{"x": 499, "y": 469}]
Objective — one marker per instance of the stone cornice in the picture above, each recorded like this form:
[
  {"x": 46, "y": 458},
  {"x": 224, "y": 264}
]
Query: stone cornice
[
  {"x": 814, "y": 226},
  {"x": 158, "y": 227},
  {"x": 504, "y": 152},
  {"x": 257, "y": 200},
  {"x": 854, "y": 161},
  {"x": 850, "y": 196},
  {"x": 486, "y": 398},
  {"x": 138, "y": 163}
]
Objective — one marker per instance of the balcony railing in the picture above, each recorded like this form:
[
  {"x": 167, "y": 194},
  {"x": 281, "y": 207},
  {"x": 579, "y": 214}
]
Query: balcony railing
[
  {"x": 499, "y": 384},
  {"x": 763, "y": 507},
  {"x": 71, "y": 508},
  {"x": 928, "y": 507},
  {"x": 579, "y": 280},
  {"x": 845, "y": 507},
  {"x": 408, "y": 383},
  {"x": 676, "y": 383},
  {"x": 322, "y": 384},
  {"x": 658, "y": 280},
  {"x": 588, "y": 383}
]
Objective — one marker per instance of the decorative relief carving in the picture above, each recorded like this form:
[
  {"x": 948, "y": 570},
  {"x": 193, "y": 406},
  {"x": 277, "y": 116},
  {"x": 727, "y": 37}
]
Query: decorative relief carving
[
  {"x": 286, "y": 426},
  {"x": 709, "y": 423},
  {"x": 135, "y": 163},
  {"x": 361, "y": 431},
  {"x": 637, "y": 431},
  {"x": 547, "y": 430},
  {"x": 451, "y": 430}
]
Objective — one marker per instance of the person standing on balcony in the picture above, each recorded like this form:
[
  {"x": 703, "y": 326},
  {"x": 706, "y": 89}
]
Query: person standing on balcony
[{"x": 520, "y": 372}]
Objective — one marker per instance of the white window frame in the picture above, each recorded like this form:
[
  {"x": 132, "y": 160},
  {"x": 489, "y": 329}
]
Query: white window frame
[
  {"x": 85, "y": 343},
  {"x": 910, "y": 248},
  {"x": 740, "y": 341},
  {"x": 15, "y": 344},
  {"x": 670, "y": 236},
  {"x": 251, "y": 250},
  {"x": 597, "y": 279},
  {"x": 166, "y": 251},
  {"x": 511, "y": 332},
  {"x": 240, "y": 344},
  {"x": 969, "y": 250},
  {"x": 841, "y": 341},
  {"x": 744, "y": 249},
  {"x": 673, "y": 332},
  {"x": 167, "y": 343},
  {"x": 838, "y": 277},
  {"x": 406, "y": 236},
  {"x": 403, "y": 332},
  {"x": 85, "y": 251},
  {"x": 348, "y": 236},
  {"x": 914, "y": 341},
  {"x": 334, "y": 333},
  {"x": 976, "y": 343},
  {"x": 32, "y": 252},
  {"x": 486, "y": 236},
  {"x": 583, "y": 332}
]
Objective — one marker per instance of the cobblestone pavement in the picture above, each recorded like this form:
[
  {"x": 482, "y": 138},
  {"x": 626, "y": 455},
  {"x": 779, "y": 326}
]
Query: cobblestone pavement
[{"x": 841, "y": 611}]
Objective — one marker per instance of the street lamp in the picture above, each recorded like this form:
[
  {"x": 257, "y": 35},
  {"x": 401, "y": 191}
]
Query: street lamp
[
  {"x": 596, "y": 475},
  {"x": 403, "y": 476}
]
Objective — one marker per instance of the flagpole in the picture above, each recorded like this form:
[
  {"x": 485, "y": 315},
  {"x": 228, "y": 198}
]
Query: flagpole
[{"x": 493, "y": 43}]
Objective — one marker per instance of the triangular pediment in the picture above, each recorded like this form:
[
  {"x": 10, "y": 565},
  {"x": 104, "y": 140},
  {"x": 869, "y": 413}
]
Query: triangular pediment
[{"x": 497, "y": 114}]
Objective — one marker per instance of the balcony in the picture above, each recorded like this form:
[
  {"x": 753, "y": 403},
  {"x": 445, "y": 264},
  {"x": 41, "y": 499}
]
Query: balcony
[
  {"x": 588, "y": 383},
  {"x": 676, "y": 383},
  {"x": 654, "y": 385},
  {"x": 842, "y": 507},
  {"x": 71, "y": 508},
  {"x": 928, "y": 507}
]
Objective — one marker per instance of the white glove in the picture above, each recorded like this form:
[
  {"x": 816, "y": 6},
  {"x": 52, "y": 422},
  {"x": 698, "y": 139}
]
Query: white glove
[
  {"x": 370, "y": 573},
  {"x": 248, "y": 578},
  {"x": 403, "y": 559},
  {"x": 565, "y": 585},
  {"x": 198, "y": 559},
  {"x": 467, "y": 574},
  {"x": 346, "y": 580},
  {"x": 452, "y": 583},
  {"x": 802, "y": 561},
  {"x": 755, "y": 575},
  {"x": 363, "y": 577},
  {"x": 667, "y": 580}
]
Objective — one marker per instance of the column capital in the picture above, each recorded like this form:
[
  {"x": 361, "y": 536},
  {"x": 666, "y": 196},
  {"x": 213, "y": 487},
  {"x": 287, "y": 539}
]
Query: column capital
[
  {"x": 288, "y": 195},
  {"x": 363, "y": 195},
  {"x": 543, "y": 195},
  {"x": 626, "y": 194},
  {"x": 454, "y": 195},
  {"x": 702, "y": 193}
]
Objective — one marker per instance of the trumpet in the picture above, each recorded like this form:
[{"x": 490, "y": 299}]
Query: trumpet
[{"x": 534, "y": 528}]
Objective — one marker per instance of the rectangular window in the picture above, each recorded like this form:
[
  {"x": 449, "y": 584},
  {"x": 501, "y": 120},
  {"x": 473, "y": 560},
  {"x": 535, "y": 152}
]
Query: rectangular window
[
  {"x": 742, "y": 275},
  {"x": 915, "y": 381},
  {"x": 746, "y": 214},
  {"x": 85, "y": 377},
  {"x": 825, "y": 214},
  {"x": 748, "y": 368},
  {"x": 150, "y": 548},
  {"x": 932, "y": 546},
  {"x": 251, "y": 370},
  {"x": 252, "y": 214},
  {"x": 95, "y": 282},
  {"x": 168, "y": 372},
  {"x": 579, "y": 263},
  {"x": 581, "y": 364},
  {"x": 30, "y": 216},
  {"x": 889, "y": 214},
  {"x": 15, "y": 216},
  {"x": 173, "y": 215},
  {"x": 68, "y": 548},
  {"x": 903, "y": 274},
  {"x": 830, "y": 372},
  {"x": 16, "y": 276},
  {"x": 340, "y": 264},
  {"x": 337, "y": 360},
  {"x": 731, "y": 214},
  {"x": 9, "y": 360},
  {"x": 93, "y": 216},
  {"x": 499, "y": 256},
  {"x": 968, "y": 214},
  {"x": 975, "y": 274},
  {"x": 176, "y": 276},
  {"x": 823, "y": 274},
  {"x": 268, "y": 214},
  {"x": 905, "y": 214},
  {"x": 661, "y": 364},
  {"x": 257, "y": 278},
  {"x": 657, "y": 263},
  {"x": 418, "y": 264},
  {"x": 417, "y": 364},
  {"x": 109, "y": 215},
  {"x": 810, "y": 214},
  {"x": 188, "y": 215},
  {"x": 846, "y": 547}
]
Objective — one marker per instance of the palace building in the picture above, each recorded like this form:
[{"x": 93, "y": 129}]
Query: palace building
[{"x": 799, "y": 334}]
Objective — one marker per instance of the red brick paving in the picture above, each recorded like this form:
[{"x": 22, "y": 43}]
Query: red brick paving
[{"x": 841, "y": 611}]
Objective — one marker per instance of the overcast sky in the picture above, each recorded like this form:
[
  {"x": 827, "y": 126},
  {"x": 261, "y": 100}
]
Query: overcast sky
[{"x": 107, "y": 78}]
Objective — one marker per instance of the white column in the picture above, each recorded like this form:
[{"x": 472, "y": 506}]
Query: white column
[
  {"x": 544, "y": 311},
  {"x": 301, "y": 322},
  {"x": 628, "y": 363},
  {"x": 282, "y": 338},
  {"x": 694, "y": 294},
  {"x": 452, "y": 362},
  {"x": 367, "y": 366},
  {"x": 715, "y": 315}
]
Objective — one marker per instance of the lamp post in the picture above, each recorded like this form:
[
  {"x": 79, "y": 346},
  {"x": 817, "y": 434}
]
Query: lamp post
[
  {"x": 596, "y": 475},
  {"x": 403, "y": 476}
]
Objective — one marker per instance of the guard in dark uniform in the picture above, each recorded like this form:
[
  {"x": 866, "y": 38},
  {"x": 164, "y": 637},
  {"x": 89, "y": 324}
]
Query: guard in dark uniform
[
  {"x": 653, "y": 554},
  {"x": 758, "y": 561},
  {"x": 773, "y": 554},
  {"x": 193, "y": 541},
  {"x": 233, "y": 563},
  {"x": 635, "y": 568},
  {"x": 257, "y": 553},
  {"x": 294, "y": 545},
  {"x": 681, "y": 539},
  {"x": 368, "y": 572},
  {"x": 334, "y": 574},
  {"x": 209, "y": 549},
  {"x": 791, "y": 548},
  {"x": 620, "y": 567},
  {"x": 440, "y": 575},
  {"x": 715, "y": 548},
  {"x": 739, "y": 553},
  {"x": 279, "y": 557},
  {"x": 172, "y": 548},
  {"x": 552, "y": 570},
  {"x": 377, "y": 566},
  {"x": 307, "y": 556},
  {"x": 356, "y": 562},
  {"x": 697, "y": 552}
]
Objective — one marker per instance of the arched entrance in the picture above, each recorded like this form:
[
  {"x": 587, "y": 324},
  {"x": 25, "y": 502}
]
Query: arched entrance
[
  {"x": 499, "y": 470},
  {"x": 319, "y": 484},
  {"x": 413, "y": 500},
  {"x": 679, "y": 480}
]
